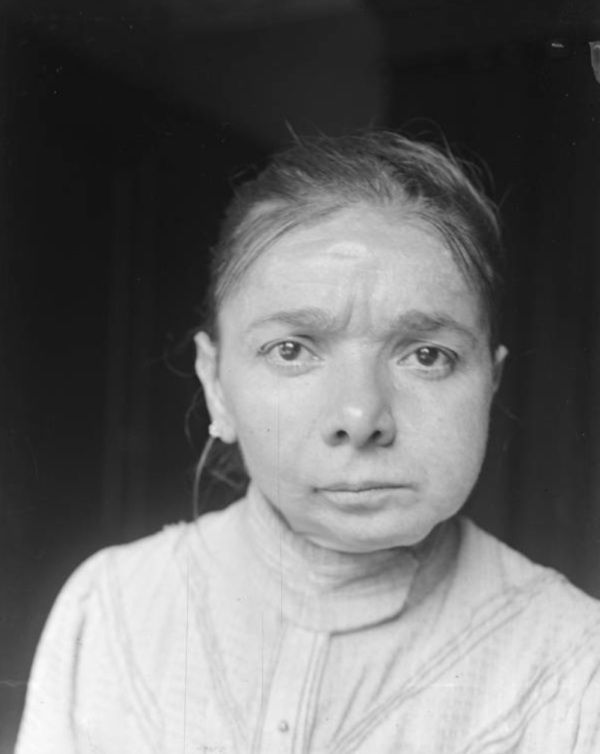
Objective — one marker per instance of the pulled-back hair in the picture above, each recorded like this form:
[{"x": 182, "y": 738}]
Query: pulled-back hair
[{"x": 319, "y": 176}]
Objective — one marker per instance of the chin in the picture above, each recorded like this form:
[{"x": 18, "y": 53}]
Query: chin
[{"x": 366, "y": 541}]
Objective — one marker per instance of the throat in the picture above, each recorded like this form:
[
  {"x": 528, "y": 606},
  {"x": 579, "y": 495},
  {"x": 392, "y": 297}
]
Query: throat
[{"x": 321, "y": 588}]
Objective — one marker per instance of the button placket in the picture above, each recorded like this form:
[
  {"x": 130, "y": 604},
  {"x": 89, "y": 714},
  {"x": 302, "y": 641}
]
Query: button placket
[{"x": 285, "y": 720}]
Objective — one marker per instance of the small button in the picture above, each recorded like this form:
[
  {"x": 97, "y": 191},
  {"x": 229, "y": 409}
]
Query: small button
[{"x": 283, "y": 726}]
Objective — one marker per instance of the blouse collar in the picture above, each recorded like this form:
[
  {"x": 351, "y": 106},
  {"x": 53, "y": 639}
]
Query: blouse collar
[{"x": 326, "y": 590}]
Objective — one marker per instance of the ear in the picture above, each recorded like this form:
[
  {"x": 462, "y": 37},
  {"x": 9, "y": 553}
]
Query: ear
[
  {"x": 207, "y": 369},
  {"x": 499, "y": 359}
]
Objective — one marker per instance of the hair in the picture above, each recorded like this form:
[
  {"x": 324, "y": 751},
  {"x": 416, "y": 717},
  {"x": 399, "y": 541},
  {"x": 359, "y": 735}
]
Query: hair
[{"x": 319, "y": 176}]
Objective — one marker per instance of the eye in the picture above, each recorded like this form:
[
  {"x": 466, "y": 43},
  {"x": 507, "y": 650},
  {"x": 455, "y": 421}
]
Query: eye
[
  {"x": 289, "y": 354},
  {"x": 289, "y": 350},
  {"x": 428, "y": 356},
  {"x": 432, "y": 360}
]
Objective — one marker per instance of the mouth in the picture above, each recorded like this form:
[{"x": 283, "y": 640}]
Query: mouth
[
  {"x": 364, "y": 496},
  {"x": 364, "y": 486}
]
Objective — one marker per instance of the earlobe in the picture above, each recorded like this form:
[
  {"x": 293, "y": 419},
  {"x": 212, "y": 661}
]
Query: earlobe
[
  {"x": 207, "y": 370},
  {"x": 499, "y": 360}
]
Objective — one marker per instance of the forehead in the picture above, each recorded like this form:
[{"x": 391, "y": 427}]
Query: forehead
[{"x": 362, "y": 263}]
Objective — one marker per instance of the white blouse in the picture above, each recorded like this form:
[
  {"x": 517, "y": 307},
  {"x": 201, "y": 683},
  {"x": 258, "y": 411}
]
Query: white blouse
[{"x": 232, "y": 635}]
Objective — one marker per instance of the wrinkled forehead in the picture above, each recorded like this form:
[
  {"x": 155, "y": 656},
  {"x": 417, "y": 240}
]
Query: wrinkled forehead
[
  {"x": 355, "y": 254},
  {"x": 270, "y": 223}
]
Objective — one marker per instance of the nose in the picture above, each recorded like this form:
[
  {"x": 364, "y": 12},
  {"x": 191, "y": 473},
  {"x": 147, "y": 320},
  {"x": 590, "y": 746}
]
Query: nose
[{"x": 359, "y": 411}]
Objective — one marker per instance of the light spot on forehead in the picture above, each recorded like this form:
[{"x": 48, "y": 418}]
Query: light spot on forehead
[
  {"x": 354, "y": 231},
  {"x": 362, "y": 242}
]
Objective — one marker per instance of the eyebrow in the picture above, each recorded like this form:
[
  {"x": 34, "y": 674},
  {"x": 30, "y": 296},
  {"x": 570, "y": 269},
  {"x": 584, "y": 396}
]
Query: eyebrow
[
  {"x": 312, "y": 317},
  {"x": 413, "y": 321},
  {"x": 431, "y": 322}
]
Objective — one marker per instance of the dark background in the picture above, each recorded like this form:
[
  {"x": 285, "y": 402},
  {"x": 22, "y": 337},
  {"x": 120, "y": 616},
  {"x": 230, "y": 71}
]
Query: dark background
[{"x": 122, "y": 125}]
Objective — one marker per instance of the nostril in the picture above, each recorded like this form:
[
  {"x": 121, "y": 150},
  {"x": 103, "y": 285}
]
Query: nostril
[
  {"x": 360, "y": 424},
  {"x": 342, "y": 436}
]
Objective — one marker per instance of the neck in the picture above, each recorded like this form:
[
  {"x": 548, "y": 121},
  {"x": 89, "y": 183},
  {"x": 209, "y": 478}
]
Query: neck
[{"x": 324, "y": 589}]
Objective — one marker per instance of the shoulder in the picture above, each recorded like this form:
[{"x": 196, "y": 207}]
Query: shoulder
[
  {"x": 488, "y": 560},
  {"x": 124, "y": 599},
  {"x": 133, "y": 565},
  {"x": 535, "y": 637},
  {"x": 151, "y": 573},
  {"x": 535, "y": 604}
]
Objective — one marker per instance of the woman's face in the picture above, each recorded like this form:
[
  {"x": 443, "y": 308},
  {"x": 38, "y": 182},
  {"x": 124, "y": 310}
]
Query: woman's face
[{"x": 354, "y": 368}]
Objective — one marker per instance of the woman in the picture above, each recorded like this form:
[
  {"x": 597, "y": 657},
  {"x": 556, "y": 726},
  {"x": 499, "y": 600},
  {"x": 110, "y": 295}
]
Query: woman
[{"x": 351, "y": 351}]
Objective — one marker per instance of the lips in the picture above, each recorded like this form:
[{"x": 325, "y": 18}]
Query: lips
[
  {"x": 364, "y": 486},
  {"x": 364, "y": 496}
]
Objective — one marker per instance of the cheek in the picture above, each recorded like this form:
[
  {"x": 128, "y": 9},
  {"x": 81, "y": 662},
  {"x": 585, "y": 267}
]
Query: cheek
[
  {"x": 458, "y": 437},
  {"x": 272, "y": 421}
]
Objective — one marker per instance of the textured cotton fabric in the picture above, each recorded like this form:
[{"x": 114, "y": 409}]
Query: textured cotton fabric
[{"x": 233, "y": 635}]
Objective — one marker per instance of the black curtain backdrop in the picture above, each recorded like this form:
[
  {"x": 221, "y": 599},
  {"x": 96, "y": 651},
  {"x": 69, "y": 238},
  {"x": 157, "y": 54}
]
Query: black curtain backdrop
[{"x": 111, "y": 194}]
